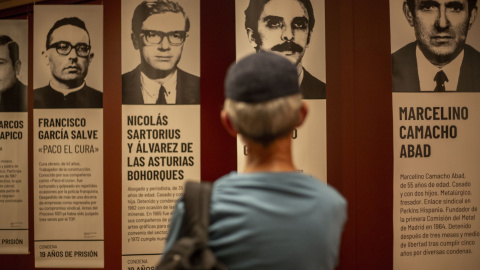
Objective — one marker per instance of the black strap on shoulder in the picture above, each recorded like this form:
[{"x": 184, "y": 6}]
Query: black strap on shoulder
[{"x": 197, "y": 210}]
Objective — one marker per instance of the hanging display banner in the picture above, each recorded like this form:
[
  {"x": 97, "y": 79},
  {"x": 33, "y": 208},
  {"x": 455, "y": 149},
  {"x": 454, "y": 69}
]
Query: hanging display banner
[
  {"x": 295, "y": 29},
  {"x": 68, "y": 136},
  {"x": 161, "y": 150},
  {"x": 436, "y": 121},
  {"x": 160, "y": 120},
  {"x": 14, "y": 137},
  {"x": 436, "y": 221}
]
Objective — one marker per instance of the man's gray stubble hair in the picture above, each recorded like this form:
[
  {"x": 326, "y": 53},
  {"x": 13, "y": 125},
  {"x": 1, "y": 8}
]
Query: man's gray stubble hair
[{"x": 266, "y": 121}]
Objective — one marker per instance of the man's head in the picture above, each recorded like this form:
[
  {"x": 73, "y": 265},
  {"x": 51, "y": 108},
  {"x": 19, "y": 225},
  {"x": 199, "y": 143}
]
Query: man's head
[
  {"x": 68, "y": 52},
  {"x": 282, "y": 26},
  {"x": 263, "y": 100},
  {"x": 159, "y": 30},
  {"x": 441, "y": 26},
  {"x": 9, "y": 62}
]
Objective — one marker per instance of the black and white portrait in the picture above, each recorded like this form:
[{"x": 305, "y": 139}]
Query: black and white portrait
[
  {"x": 68, "y": 51},
  {"x": 292, "y": 28},
  {"x": 13, "y": 65},
  {"x": 435, "y": 46},
  {"x": 160, "y": 52}
]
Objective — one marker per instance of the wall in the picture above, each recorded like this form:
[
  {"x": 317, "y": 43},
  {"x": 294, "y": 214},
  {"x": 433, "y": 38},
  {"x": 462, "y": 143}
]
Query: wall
[{"x": 359, "y": 122}]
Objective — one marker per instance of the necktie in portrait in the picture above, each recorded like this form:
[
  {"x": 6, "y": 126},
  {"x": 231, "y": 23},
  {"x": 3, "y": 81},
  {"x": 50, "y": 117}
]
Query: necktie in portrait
[
  {"x": 161, "y": 96},
  {"x": 440, "y": 79}
]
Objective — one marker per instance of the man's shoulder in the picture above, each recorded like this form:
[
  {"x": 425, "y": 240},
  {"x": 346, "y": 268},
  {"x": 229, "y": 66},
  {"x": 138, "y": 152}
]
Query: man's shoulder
[
  {"x": 14, "y": 99},
  {"x": 185, "y": 76},
  {"x": 276, "y": 183},
  {"x": 43, "y": 90},
  {"x": 46, "y": 97},
  {"x": 21, "y": 86},
  {"x": 188, "y": 88},
  {"x": 311, "y": 87},
  {"x": 131, "y": 87},
  {"x": 89, "y": 97},
  {"x": 469, "y": 79},
  {"x": 407, "y": 50},
  {"x": 404, "y": 57},
  {"x": 18, "y": 89},
  {"x": 472, "y": 54},
  {"x": 132, "y": 73},
  {"x": 404, "y": 69},
  {"x": 22, "y": 90},
  {"x": 92, "y": 91}
]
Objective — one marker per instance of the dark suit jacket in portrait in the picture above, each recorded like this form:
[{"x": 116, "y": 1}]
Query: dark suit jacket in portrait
[
  {"x": 188, "y": 88},
  {"x": 14, "y": 99},
  {"x": 311, "y": 87},
  {"x": 405, "y": 72},
  {"x": 47, "y": 97}
]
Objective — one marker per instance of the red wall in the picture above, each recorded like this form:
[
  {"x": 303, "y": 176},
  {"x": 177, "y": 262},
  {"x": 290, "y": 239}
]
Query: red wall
[{"x": 359, "y": 122}]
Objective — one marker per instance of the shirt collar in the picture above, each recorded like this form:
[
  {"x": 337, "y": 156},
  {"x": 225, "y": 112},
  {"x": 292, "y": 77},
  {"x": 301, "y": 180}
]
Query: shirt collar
[
  {"x": 151, "y": 88},
  {"x": 66, "y": 91},
  {"x": 427, "y": 71}
]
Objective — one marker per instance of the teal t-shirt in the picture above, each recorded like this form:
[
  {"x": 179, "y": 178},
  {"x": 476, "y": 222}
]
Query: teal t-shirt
[{"x": 272, "y": 221}]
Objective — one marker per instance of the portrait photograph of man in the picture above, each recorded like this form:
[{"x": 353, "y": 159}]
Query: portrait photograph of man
[
  {"x": 157, "y": 61},
  {"x": 292, "y": 28},
  {"x": 435, "y": 46},
  {"x": 13, "y": 65},
  {"x": 68, "y": 45}
]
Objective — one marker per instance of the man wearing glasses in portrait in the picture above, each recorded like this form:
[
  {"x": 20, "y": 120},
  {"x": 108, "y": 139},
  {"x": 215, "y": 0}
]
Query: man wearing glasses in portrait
[
  {"x": 159, "y": 31},
  {"x": 68, "y": 55}
]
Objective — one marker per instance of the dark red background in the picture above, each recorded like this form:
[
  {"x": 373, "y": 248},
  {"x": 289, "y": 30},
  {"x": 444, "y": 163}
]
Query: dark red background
[{"x": 359, "y": 121}]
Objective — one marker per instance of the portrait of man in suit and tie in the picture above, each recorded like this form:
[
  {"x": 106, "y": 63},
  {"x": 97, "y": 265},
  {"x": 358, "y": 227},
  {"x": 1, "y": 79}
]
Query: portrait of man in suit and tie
[
  {"x": 439, "y": 59},
  {"x": 285, "y": 27},
  {"x": 159, "y": 31}
]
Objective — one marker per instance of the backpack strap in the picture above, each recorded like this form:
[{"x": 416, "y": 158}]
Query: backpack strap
[{"x": 197, "y": 210}]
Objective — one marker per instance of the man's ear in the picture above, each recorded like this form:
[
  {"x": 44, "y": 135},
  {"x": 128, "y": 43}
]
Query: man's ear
[
  {"x": 17, "y": 67},
  {"x": 227, "y": 124},
  {"x": 251, "y": 38},
  {"x": 408, "y": 13},
  {"x": 46, "y": 59},
  {"x": 473, "y": 15},
  {"x": 134, "y": 41},
  {"x": 302, "y": 114},
  {"x": 90, "y": 57}
]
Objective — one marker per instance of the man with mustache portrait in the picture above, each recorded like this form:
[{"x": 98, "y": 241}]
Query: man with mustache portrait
[
  {"x": 285, "y": 27},
  {"x": 159, "y": 32},
  {"x": 68, "y": 54},
  {"x": 439, "y": 60}
]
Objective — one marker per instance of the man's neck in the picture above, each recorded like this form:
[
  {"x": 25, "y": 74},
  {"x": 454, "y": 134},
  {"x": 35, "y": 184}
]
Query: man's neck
[{"x": 276, "y": 157}]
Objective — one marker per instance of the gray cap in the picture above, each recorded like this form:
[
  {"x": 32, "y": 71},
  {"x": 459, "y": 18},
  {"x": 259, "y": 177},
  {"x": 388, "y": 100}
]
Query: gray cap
[{"x": 261, "y": 77}]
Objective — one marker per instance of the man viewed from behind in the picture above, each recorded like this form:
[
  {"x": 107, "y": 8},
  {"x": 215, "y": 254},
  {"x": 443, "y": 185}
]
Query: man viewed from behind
[
  {"x": 13, "y": 93},
  {"x": 271, "y": 216},
  {"x": 159, "y": 31},
  {"x": 285, "y": 27},
  {"x": 68, "y": 55},
  {"x": 439, "y": 60}
]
